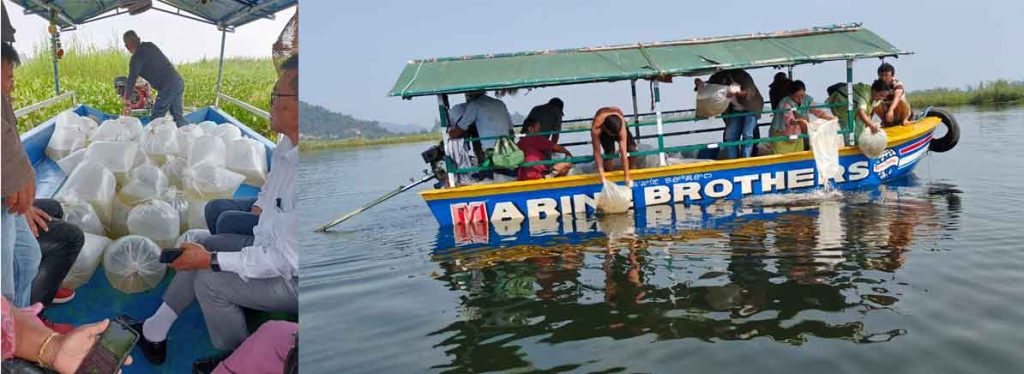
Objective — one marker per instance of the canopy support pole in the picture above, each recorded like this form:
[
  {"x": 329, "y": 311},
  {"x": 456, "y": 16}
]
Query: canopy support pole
[
  {"x": 442, "y": 109},
  {"x": 789, "y": 72},
  {"x": 852, "y": 136},
  {"x": 636, "y": 110},
  {"x": 220, "y": 68},
  {"x": 54, "y": 48},
  {"x": 661, "y": 129}
]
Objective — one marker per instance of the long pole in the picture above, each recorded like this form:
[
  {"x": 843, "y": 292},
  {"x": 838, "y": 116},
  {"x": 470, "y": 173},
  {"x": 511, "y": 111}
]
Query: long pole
[
  {"x": 220, "y": 67},
  {"x": 661, "y": 130},
  {"x": 636, "y": 110},
  {"x": 852, "y": 136},
  {"x": 379, "y": 200},
  {"x": 54, "y": 48}
]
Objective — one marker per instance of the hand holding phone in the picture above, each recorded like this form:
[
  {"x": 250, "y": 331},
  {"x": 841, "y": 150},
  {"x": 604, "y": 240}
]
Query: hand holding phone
[
  {"x": 110, "y": 351},
  {"x": 168, "y": 255}
]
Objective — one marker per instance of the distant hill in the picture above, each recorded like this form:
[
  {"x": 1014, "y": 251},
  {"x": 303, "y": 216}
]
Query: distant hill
[{"x": 317, "y": 122}]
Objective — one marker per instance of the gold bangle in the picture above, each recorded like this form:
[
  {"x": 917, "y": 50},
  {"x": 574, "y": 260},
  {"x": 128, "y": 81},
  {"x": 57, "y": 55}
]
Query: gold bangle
[{"x": 42, "y": 349}]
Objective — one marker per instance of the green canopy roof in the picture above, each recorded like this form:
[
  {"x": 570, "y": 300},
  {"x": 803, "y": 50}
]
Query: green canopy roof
[{"x": 689, "y": 57}]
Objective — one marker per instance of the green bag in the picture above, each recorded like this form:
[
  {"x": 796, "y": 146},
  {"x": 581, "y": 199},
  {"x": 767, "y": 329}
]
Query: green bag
[{"x": 507, "y": 154}]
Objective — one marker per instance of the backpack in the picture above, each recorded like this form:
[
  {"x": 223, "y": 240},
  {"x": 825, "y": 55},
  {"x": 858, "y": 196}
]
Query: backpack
[{"x": 507, "y": 154}]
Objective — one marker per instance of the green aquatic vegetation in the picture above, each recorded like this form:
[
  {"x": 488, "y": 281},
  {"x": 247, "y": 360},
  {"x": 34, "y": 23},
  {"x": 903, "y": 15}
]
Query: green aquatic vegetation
[
  {"x": 89, "y": 71},
  {"x": 999, "y": 92},
  {"x": 313, "y": 144}
]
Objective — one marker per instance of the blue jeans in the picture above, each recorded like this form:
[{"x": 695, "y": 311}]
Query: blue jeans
[
  {"x": 231, "y": 216},
  {"x": 7, "y": 255},
  {"x": 170, "y": 99},
  {"x": 25, "y": 257},
  {"x": 735, "y": 127}
]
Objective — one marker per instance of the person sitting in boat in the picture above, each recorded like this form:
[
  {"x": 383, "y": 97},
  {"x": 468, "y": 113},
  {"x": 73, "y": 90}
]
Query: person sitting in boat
[
  {"x": 607, "y": 130},
  {"x": 743, "y": 112},
  {"x": 150, "y": 63},
  {"x": 550, "y": 117},
  {"x": 895, "y": 110},
  {"x": 793, "y": 119},
  {"x": 228, "y": 271},
  {"x": 540, "y": 148},
  {"x": 865, "y": 99}
]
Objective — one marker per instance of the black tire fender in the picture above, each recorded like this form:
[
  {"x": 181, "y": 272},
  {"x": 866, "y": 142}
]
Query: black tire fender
[{"x": 952, "y": 136}]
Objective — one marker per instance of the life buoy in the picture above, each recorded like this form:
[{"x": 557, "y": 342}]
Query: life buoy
[{"x": 952, "y": 136}]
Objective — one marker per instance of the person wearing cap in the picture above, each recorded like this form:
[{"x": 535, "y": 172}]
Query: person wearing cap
[{"x": 152, "y": 65}]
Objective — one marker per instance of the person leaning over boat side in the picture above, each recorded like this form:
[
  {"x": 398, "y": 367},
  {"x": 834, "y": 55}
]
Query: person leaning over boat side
[
  {"x": 20, "y": 252},
  {"x": 865, "y": 99},
  {"x": 895, "y": 110},
  {"x": 550, "y": 117},
  {"x": 749, "y": 100},
  {"x": 227, "y": 272},
  {"x": 152, "y": 65},
  {"x": 608, "y": 129},
  {"x": 539, "y": 148},
  {"x": 793, "y": 119}
]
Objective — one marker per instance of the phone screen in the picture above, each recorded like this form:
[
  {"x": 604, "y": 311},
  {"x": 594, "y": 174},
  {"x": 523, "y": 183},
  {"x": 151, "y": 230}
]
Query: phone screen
[{"x": 110, "y": 351}]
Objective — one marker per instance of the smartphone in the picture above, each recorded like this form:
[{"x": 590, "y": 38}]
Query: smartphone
[
  {"x": 170, "y": 254},
  {"x": 109, "y": 353}
]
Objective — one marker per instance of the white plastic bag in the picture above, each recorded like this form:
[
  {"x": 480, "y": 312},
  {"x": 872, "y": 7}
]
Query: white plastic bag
[
  {"x": 157, "y": 220},
  {"x": 192, "y": 236},
  {"x": 132, "y": 264},
  {"x": 825, "y": 144},
  {"x": 118, "y": 157},
  {"x": 174, "y": 168},
  {"x": 207, "y": 126},
  {"x": 122, "y": 129},
  {"x": 177, "y": 200},
  {"x": 142, "y": 159},
  {"x": 207, "y": 182},
  {"x": 614, "y": 198},
  {"x": 226, "y": 132},
  {"x": 83, "y": 216},
  {"x": 873, "y": 145},
  {"x": 159, "y": 141},
  {"x": 146, "y": 182},
  {"x": 208, "y": 149},
  {"x": 197, "y": 213},
  {"x": 71, "y": 161},
  {"x": 92, "y": 183},
  {"x": 69, "y": 135},
  {"x": 187, "y": 135},
  {"x": 88, "y": 260},
  {"x": 712, "y": 100},
  {"x": 249, "y": 158},
  {"x": 118, "y": 224}
]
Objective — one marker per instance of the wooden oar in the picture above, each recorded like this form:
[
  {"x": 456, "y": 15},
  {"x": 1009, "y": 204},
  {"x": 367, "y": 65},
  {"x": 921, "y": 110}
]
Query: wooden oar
[{"x": 379, "y": 200}]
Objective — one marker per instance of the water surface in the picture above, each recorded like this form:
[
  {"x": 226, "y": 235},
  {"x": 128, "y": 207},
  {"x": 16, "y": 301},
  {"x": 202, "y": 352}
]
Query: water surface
[{"x": 924, "y": 276}]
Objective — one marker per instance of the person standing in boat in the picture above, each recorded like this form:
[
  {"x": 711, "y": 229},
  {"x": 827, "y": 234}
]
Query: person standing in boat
[
  {"x": 550, "y": 117},
  {"x": 895, "y": 110},
  {"x": 607, "y": 130},
  {"x": 152, "y": 65},
  {"x": 490, "y": 116},
  {"x": 793, "y": 119},
  {"x": 743, "y": 112}
]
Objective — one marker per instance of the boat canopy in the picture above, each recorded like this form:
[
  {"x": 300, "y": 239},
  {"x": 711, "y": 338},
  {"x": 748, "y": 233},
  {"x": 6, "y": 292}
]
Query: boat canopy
[
  {"x": 225, "y": 14},
  {"x": 690, "y": 57}
]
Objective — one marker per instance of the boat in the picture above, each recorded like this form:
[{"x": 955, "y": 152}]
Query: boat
[
  {"x": 698, "y": 181},
  {"x": 98, "y": 299}
]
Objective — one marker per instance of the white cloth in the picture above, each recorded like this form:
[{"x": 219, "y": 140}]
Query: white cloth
[
  {"x": 462, "y": 156},
  {"x": 274, "y": 249},
  {"x": 491, "y": 118}
]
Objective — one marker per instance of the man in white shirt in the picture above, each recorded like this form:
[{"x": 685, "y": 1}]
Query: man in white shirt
[
  {"x": 231, "y": 271},
  {"x": 490, "y": 115}
]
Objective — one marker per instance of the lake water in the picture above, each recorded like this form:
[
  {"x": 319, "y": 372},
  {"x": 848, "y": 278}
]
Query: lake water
[{"x": 926, "y": 276}]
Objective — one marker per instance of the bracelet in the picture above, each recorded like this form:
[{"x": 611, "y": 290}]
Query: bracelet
[{"x": 42, "y": 348}]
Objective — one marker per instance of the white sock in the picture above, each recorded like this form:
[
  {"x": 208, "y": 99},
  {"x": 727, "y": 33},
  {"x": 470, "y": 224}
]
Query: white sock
[{"x": 156, "y": 327}]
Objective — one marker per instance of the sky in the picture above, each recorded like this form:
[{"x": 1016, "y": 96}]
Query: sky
[
  {"x": 355, "y": 50},
  {"x": 182, "y": 40}
]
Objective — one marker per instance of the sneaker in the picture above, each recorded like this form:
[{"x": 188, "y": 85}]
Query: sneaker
[{"x": 63, "y": 295}]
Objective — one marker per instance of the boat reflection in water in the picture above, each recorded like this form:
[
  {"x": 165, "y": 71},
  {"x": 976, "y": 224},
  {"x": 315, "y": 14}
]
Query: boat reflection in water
[{"x": 785, "y": 268}]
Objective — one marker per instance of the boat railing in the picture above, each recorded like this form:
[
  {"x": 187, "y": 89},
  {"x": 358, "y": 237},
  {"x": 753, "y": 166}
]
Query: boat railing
[
  {"x": 241, "y": 104},
  {"x": 661, "y": 149},
  {"x": 46, "y": 104}
]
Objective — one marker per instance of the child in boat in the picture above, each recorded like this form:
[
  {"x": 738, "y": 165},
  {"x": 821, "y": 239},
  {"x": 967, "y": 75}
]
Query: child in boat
[
  {"x": 895, "y": 110},
  {"x": 865, "y": 99},
  {"x": 793, "y": 119},
  {"x": 539, "y": 148},
  {"x": 607, "y": 129}
]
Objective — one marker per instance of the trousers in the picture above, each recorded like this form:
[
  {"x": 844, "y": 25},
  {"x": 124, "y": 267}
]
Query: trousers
[
  {"x": 59, "y": 247},
  {"x": 231, "y": 216}
]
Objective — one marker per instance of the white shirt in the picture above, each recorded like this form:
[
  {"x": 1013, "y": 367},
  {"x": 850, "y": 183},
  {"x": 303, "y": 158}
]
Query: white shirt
[
  {"x": 491, "y": 118},
  {"x": 273, "y": 252}
]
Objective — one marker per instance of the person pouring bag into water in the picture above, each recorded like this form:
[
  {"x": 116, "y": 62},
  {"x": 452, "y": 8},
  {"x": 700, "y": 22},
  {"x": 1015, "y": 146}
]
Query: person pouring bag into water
[
  {"x": 793, "y": 118},
  {"x": 150, "y": 63},
  {"x": 865, "y": 99},
  {"x": 895, "y": 110},
  {"x": 229, "y": 271},
  {"x": 748, "y": 100},
  {"x": 607, "y": 130}
]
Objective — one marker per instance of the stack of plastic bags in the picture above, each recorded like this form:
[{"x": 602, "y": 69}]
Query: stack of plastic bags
[{"x": 142, "y": 187}]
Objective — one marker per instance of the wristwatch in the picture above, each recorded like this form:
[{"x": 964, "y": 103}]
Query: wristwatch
[{"x": 214, "y": 264}]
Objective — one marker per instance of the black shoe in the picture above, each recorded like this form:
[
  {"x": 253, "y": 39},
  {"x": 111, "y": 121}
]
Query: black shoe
[
  {"x": 154, "y": 352},
  {"x": 206, "y": 365}
]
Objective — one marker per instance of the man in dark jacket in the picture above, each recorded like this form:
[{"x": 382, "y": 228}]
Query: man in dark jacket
[{"x": 150, "y": 63}]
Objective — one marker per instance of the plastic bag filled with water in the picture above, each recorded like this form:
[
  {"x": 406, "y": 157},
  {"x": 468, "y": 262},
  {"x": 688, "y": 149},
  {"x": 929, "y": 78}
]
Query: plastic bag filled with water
[
  {"x": 87, "y": 261},
  {"x": 226, "y": 132},
  {"x": 118, "y": 157},
  {"x": 159, "y": 141},
  {"x": 146, "y": 182},
  {"x": 157, "y": 220},
  {"x": 177, "y": 199},
  {"x": 613, "y": 198},
  {"x": 82, "y": 215},
  {"x": 92, "y": 183},
  {"x": 207, "y": 126},
  {"x": 873, "y": 145},
  {"x": 174, "y": 168},
  {"x": 825, "y": 144},
  {"x": 207, "y": 149},
  {"x": 71, "y": 161},
  {"x": 192, "y": 236},
  {"x": 197, "y": 213},
  {"x": 207, "y": 182},
  {"x": 187, "y": 135},
  {"x": 69, "y": 135},
  {"x": 122, "y": 129},
  {"x": 132, "y": 264},
  {"x": 249, "y": 158},
  {"x": 713, "y": 99}
]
